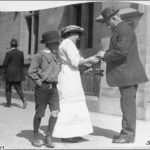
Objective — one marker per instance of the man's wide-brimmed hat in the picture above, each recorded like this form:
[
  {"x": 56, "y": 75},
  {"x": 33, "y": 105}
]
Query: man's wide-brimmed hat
[
  {"x": 71, "y": 29},
  {"x": 50, "y": 37},
  {"x": 106, "y": 14},
  {"x": 14, "y": 42}
]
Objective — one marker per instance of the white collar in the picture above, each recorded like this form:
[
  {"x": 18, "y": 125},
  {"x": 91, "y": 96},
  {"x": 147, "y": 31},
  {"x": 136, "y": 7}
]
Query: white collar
[
  {"x": 47, "y": 51},
  {"x": 13, "y": 48}
]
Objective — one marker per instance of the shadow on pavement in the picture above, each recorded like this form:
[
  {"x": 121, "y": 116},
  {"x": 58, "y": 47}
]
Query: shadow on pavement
[
  {"x": 58, "y": 140},
  {"x": 12, "y": 105},
  {"x": 28, "y": 134},
  {"x": 104, "y": 132}
]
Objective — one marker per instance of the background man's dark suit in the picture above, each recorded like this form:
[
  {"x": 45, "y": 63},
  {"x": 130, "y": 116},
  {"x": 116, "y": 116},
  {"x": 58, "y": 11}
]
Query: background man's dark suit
[
  {"x": 13, "y": 63},
  {"x": 13, "y": 73}
]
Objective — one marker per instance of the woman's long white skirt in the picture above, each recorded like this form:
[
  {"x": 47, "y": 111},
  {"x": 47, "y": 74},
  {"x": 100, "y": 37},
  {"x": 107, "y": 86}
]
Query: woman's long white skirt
[{"x": 73, "y": 119}]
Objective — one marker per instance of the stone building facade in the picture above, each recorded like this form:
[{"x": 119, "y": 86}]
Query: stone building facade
[{"x": 28, "y": 27}]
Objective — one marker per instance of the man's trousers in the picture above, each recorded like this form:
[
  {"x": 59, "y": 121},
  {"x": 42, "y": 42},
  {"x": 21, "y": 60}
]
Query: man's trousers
[
  {"x": 128, "y": 107},
  {"x": 8, "y": 90}
]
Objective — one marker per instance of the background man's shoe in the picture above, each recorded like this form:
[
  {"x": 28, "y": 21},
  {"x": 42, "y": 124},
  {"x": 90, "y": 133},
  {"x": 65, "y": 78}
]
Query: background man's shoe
[
  {"x": 48, "y": 142},
  {"x": 121, "y": 141},
  {"x": 8, "y": 105},
  {"x": 36, "y": 142},
  {"x": 24, "y": 105}
]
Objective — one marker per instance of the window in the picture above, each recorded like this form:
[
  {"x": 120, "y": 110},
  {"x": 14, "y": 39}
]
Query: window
[
  {"x": 90, "y": 26},
  {"x": 33, "y": 28},
  {"x": 131, "y": 14},
  {"x": 84, "y": 18},
  {"x": 78, "y": 10},
  {"x": 36, "y": 30},
  {"x": 29, "y": 25},
  {"x": 130, "y": 23},
  {"x": 84, "y": 14}
]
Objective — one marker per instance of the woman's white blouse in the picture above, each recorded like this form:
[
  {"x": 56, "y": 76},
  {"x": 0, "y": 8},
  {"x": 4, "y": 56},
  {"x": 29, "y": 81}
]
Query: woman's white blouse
[{"x": 69, "y": 53}]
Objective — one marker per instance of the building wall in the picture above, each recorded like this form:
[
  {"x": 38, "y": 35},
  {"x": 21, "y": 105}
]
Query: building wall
[{"x": 9, "y": 27}]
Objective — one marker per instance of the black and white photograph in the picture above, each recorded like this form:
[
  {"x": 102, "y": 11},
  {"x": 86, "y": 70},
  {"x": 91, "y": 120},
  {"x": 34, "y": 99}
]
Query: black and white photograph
[{"x": 75, "y": 74}]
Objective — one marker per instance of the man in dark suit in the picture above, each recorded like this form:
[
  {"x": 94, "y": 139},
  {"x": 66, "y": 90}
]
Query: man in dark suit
[
  {"x": 124, "y": 69},
  {"x": 13, "y": 72}
]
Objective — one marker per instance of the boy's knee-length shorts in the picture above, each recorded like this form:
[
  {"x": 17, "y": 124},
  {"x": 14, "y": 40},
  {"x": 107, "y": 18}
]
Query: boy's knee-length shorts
[{"x": 44, "y": 96}]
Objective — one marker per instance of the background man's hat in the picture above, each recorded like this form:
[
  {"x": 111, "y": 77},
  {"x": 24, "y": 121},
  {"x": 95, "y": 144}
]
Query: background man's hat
[
  {"x": 50, "y": 37},
  {"x": 71, "y": 29},
  {"x": 106, "y": 14},
  {"x": 14, "y": 42}
]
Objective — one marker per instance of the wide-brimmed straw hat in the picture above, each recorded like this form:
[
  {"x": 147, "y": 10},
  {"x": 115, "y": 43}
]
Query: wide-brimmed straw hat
[
  {"x": 71, "y": 29},
  {"x": 50, "y": 37},
  {"x": 106, "y": 14}
]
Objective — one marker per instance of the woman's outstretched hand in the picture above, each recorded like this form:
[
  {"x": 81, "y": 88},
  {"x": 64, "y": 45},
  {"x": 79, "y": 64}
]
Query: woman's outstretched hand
[
  {"x": 87, "y": 65},
  {"x": 93, "y": 59}
]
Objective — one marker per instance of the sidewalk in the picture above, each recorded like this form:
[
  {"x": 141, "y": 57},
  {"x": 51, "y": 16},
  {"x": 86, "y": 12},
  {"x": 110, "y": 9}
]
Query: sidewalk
[{"x": 16, "y": 127}]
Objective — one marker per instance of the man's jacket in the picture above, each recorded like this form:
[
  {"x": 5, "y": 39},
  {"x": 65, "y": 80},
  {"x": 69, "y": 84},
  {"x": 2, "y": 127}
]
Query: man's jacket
[
  {"x": 13, "y": 66},
  {"x": 124, "y": 67}
]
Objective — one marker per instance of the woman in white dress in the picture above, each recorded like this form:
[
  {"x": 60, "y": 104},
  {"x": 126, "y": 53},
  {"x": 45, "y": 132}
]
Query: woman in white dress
[{"x": 73, "y": 119}]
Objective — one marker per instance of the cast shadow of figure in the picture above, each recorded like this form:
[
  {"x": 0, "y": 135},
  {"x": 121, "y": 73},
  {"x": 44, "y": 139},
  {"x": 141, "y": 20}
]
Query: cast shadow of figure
[
  {"x": 28, "y": 134},
  {"x": 58, "y": 140},
  {"x": 12, "y": 105},
  {"x": 97, "y": 131}
]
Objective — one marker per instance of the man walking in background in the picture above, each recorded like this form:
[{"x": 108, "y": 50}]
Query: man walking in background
[
  {"x": 124, "y": 69},
  {"x": 13, "y": 72}
]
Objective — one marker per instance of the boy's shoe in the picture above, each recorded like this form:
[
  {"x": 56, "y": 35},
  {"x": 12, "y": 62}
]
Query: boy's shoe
[
  {"x": 24, "y": 105},
  {"x": 36, "y": 142},
  {"x": 48, "y": 142}
]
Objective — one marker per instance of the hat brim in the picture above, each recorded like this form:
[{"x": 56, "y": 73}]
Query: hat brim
[
  {"x": 102, "y": 20},
  {"x": 13, "y": 43},
  {"x": 43, "y": 42},
  {"x": 73, "y": 31}
]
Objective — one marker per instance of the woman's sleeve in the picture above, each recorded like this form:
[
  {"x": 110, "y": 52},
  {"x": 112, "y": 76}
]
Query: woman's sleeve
[{"x": 71, "y": 53}]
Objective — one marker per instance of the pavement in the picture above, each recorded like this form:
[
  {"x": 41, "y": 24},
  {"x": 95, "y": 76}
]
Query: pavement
[{"x": 16, "y": 128}]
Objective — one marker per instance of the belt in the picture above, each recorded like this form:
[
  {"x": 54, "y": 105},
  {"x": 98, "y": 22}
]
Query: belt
[{"x": 51, "y": 84}]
